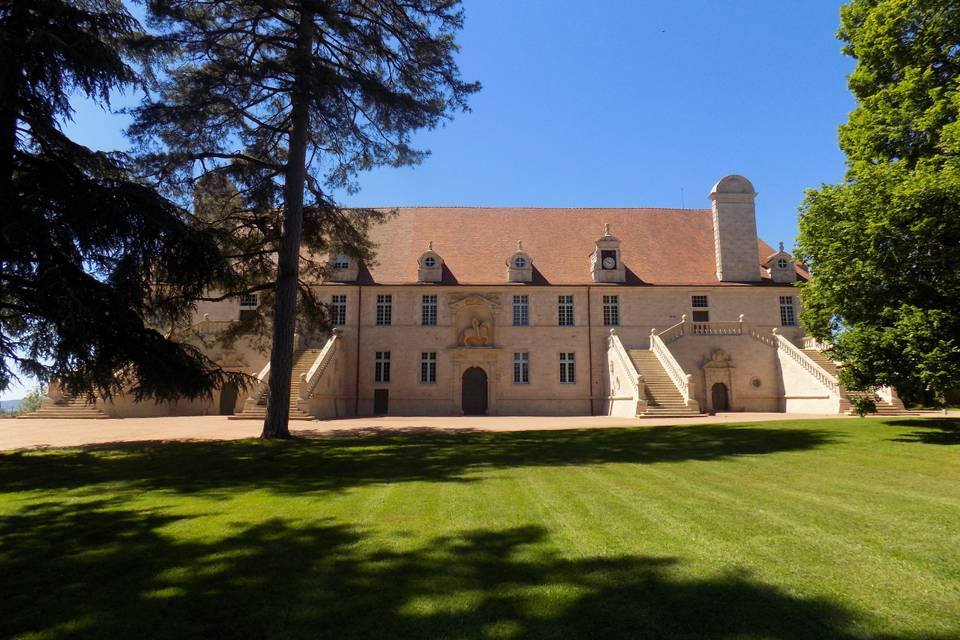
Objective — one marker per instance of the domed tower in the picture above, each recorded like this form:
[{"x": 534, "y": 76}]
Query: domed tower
[{"x": 735, "y": 230}]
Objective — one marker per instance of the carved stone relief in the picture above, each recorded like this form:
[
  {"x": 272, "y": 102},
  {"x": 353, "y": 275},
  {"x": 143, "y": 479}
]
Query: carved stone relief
[{"x": 474, "y": 320}]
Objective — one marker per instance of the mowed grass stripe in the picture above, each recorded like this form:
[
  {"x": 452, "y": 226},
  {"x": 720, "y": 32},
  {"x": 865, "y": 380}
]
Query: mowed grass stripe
[{"x": 834, "y": 528}]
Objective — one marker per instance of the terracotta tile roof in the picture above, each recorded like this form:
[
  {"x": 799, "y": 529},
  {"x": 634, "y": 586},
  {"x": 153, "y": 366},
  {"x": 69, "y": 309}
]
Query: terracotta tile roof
[{"x": 658, "y": 246}]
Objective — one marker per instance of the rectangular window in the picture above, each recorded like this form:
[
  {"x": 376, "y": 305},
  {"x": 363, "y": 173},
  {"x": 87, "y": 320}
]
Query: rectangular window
[
  {"x": 341, "y": 262},
  {"x": 611, "y": 311},
  {"x": 701, "y": 308},
  {"x": 521, "y": 367},
  {"x": 788, "y": 315},
  {"x": 428, "y": 367},
  {"x": 338, "y": 310},
  {"x": 565, "y": 311},
  {"x": 568, "y": 368},
  {"x": 384, "y": 309},
  {"x": 428, "y": 311},
  {"x": 521, "y": 311},
  {"x": 248, "y": 300},
  {"x": 381, "y": 367}
]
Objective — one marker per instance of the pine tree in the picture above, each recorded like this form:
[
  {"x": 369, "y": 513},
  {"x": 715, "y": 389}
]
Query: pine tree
[
  {"x": 884, "y": 245},
  {"x": 290, "y": 100},
  {"x": 95, "y": 267}
]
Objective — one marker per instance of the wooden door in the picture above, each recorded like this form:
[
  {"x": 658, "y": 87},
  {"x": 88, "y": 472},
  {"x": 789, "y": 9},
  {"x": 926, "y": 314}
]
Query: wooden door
[
  {"x": 474, "y": 392},
  {"x": 381, "y": 401},
  {"x": 721, "y": 399}
]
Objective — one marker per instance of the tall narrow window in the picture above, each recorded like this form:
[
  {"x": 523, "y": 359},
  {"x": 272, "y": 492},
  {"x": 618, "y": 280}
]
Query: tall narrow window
[
  {"x": 521, "y": 311},
  {"x": 565, "y": 311},
  {"x": 381, "y": 367},
  {"x": 521, "y": 367},
  {"x": 428, "y": 367},
  {"x": 338, "y": 310},
  {"x": 701, "y": 308},
  {"x": 611, "y": 311},
  {"x": 384, "y": 309},
  {"x": 788, "y": 314},
  {"x": 428, "y": 311},
  {"x": 568, "y": 368}
]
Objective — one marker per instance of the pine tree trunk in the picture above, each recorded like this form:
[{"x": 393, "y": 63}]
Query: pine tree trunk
[
  {"x": 276, "y": 424},
  {"x": 10, "y": 72}
]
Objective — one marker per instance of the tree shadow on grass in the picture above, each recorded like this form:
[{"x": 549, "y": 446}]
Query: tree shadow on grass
[
  {"x": 95, "y": 570},
  {"x": 341, "y": 462},
  {"x": 932, "y": 430}
]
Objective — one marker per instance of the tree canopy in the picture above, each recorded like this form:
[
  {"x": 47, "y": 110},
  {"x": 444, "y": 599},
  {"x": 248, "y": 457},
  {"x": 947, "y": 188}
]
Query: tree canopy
[
  {"x": 884, "y": 245},
  {"x": 95, "y": 266},
  {"x": 286, "y": 101}
]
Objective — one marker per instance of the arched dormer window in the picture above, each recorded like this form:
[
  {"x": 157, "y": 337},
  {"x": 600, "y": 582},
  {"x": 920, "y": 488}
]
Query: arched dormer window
[
  {"x": 780, "y": 266},
  {"x": 520, "y": 266},
  {"x": 430, "y": 266}
]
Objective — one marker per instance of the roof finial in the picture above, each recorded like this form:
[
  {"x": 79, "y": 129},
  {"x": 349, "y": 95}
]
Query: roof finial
[
  {"x": 430, "y": 245},
  {"x": 606, "y": 228},
  {"x": 781, "y": 246},
  {"x": 519, "y": 245}
]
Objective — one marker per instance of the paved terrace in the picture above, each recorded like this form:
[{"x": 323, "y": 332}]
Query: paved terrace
[{"x": 31, "y": 434}]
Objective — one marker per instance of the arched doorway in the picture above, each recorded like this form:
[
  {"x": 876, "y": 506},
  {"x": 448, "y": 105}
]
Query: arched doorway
[
  {"x": 228, "y": 399},
  {"x": 720, "y": 397},
  {"x": 474, "y": 392}
]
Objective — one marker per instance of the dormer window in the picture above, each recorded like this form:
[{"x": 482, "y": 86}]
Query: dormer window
[
  {"x": 780, "y": 266},
  {"x": 430, "y": 266},
  {"x": 519, "y": 265},
  {"x": 605, "y": 262},
  {"x": 342, "y": 268}
]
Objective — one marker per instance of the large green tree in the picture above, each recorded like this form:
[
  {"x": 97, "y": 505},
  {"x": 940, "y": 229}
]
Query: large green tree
[
  {"x": 95, "y": 266},
  {"x": 884, "y": 245},
  {"x": 286, "y": 100}
]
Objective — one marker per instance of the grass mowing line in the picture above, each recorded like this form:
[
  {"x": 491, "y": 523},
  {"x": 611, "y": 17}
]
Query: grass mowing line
[
  {"x": 874, "y": 559},
  {"x": 707, "y": 547},
  {"x": 534, "y": 535}
]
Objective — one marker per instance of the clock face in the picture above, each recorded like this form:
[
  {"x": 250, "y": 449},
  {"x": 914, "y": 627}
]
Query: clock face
[{"x": 609, "y": 263}]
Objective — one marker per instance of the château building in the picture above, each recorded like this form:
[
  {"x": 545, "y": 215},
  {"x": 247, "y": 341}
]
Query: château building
[{"x": 549, "y": 311}]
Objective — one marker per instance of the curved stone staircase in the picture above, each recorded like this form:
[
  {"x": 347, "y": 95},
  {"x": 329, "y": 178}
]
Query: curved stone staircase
[
  {"x": 663, "y": 398},
  {"x": 256, "y": 408},
  {"x": 894, "y": 408}
]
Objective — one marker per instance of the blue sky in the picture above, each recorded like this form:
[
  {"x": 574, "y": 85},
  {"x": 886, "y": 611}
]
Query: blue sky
[{"x": 622, "y": 103}]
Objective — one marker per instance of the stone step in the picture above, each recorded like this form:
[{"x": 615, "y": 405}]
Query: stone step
[
  {"x": 67, "y": 408},
  {"x": 662, "y": 396}
]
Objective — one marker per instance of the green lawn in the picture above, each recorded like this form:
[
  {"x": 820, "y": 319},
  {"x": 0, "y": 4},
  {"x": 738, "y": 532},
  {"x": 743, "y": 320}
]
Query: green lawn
[{"x": 832, "y": 529}]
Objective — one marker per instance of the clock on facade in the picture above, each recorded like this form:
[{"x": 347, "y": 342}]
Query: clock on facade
[{"x": 608, "y": 259}]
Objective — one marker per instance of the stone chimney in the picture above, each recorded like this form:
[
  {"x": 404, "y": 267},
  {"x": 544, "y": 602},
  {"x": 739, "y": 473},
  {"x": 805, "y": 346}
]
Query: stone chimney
[{"x": 735, "y": 230}]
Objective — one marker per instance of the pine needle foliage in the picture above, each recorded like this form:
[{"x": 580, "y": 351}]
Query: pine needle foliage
[
  {"x": 286, "y": 102},
  {"x": 95, "y": 266}
]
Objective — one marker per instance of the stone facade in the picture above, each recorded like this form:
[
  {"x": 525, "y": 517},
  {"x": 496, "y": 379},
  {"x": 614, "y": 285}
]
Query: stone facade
[{"x": 510, "y": 311}]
